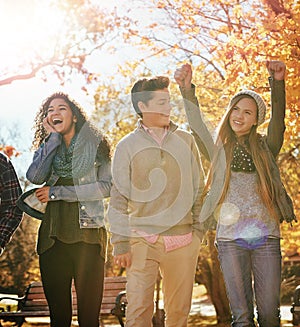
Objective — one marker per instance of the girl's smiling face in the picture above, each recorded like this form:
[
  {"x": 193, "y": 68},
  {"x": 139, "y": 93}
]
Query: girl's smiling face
[
  {"x": 243, "y": 116},
  {"x": 61, "y": 117}
]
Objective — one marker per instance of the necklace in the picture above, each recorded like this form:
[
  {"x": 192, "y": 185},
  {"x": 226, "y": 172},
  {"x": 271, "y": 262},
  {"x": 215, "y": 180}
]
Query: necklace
[{"x": 242, "y": 159}]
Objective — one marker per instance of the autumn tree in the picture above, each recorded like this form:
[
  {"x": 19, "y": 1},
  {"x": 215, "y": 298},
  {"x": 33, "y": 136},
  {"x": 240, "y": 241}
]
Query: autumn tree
[
  {"x": 86, "y": 29},
  {"x": 227, "y": 43}
]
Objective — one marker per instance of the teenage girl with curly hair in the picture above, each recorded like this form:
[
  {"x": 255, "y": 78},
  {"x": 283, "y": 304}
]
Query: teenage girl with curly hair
[{"x": 72, "y": 161}]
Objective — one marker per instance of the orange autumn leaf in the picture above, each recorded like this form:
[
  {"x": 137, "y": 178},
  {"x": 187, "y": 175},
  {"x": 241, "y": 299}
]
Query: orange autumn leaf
[{"x": 9, "y": 150}]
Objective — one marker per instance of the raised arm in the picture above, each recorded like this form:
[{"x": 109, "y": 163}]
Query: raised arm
[
  {"x": 183, "y": 77},
  {"x": 276, "y": 127}
]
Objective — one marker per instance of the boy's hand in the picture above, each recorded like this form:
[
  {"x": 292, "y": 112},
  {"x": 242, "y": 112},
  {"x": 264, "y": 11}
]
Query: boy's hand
[
  {"x": 183, "y": 76},
  {"x": 123, "y": 260},
  {"x": 277, "y": 68}
]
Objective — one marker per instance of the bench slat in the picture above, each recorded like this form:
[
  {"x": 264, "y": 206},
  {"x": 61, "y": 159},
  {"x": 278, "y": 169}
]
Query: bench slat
[{"x": 35, "y": 303}]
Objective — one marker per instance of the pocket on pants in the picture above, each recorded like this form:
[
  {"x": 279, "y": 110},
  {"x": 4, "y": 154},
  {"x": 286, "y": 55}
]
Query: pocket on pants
[{"x": 139, "y": 250}]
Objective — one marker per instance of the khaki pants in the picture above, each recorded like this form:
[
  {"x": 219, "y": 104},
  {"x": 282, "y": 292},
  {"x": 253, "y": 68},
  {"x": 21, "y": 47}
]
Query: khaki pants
[{"x": 177, "y": 269}]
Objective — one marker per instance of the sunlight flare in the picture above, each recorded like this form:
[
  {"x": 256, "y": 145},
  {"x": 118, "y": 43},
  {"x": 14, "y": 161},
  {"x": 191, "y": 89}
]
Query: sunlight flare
[{"x": 27, "y": 29}]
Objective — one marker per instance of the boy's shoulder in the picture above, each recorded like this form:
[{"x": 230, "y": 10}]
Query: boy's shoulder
[
  {"x": 175, "y": 129},
  {"x": 130, "y": 138},
  {"x": 183, "y": 133}
]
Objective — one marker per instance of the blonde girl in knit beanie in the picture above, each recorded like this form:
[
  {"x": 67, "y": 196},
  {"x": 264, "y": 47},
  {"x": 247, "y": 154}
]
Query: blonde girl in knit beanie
[{"x": 244, "y": 195}]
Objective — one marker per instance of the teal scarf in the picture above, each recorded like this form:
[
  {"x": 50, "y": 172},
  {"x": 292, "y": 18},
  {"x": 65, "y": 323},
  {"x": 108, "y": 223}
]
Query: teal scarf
[{"x": 76, "y": 160}]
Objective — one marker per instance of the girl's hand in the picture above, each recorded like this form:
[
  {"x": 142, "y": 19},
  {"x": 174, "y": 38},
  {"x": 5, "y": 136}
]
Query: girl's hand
[
  {"x": 43, "y": 194},
  {"x": 277, "y": 69},
  {"x": 183, "y": 76},
  {"x": 49, "y": 128}
]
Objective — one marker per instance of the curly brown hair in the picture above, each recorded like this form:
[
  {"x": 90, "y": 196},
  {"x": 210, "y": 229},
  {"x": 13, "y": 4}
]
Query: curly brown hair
[{"x": 40, "y": 132}]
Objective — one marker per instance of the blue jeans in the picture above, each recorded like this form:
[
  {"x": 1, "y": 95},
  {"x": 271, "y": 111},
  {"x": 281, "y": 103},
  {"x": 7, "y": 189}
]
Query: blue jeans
[{"x": 243, "y": 264}]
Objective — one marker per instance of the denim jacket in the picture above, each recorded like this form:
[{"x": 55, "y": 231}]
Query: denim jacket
[{"x": 89, "y": 191}]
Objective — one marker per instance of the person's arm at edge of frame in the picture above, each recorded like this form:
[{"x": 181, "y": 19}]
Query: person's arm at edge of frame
[{"x": 11, "y": 216}]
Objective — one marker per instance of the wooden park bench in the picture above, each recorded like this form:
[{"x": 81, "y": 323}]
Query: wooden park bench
[{"x": 34, "y": 304}]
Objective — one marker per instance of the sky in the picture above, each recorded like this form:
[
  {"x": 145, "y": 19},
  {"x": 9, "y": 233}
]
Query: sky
[
  {"x": 19, "y": 103},
  {"x": 23, "y": 29},
  {"x": 29, "y": 28}
]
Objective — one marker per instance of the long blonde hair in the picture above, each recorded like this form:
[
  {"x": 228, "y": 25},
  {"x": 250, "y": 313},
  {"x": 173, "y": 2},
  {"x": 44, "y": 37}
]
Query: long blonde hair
[{"x": 226, "y": 139}]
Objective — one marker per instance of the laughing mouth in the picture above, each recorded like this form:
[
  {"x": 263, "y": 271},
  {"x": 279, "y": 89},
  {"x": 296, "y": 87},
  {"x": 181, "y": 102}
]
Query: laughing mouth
[{"x": 56, "y": 121}]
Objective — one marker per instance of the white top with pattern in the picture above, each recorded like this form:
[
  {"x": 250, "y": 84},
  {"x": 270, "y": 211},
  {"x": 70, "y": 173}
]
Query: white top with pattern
[{"x": 243, "y": 214}]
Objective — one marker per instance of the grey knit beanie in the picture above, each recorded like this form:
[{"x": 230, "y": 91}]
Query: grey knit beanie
[{"x": 261, "y": 106}]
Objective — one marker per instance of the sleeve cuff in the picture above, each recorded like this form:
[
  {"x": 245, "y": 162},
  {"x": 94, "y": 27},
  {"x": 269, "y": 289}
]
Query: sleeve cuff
[
  {"x": 188, "y": 93},
  {"x": 121, "y": 248},
  {"x": 52, "y": 194},
  {"x": 53, "y": 136}
]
